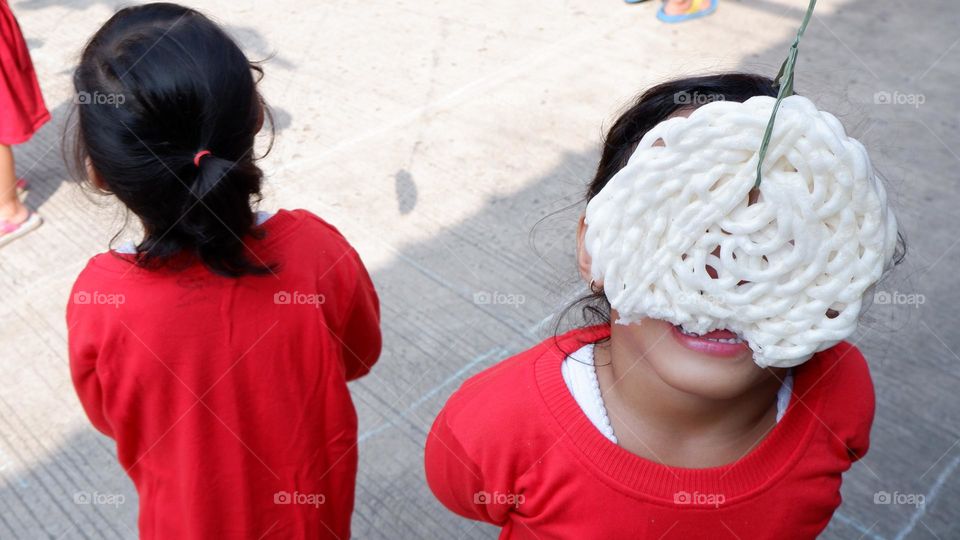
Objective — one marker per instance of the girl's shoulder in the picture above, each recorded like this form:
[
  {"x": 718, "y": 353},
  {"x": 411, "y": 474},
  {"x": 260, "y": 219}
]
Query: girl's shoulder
[
  {"x": 304, "y": 216},
  {"x": 844, "y": 368},
  {"x": 496, "y": 394},
  {"x": 306, "y": 238},
  {"x": 300, "y": 222},
  {"x": 103, "y": 267},
  {"x": 836, "y": 384},
  {"x": 301, "y": 240}
]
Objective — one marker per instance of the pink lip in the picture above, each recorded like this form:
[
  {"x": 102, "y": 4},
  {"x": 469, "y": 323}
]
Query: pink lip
[{"x": 703, "y": 345}]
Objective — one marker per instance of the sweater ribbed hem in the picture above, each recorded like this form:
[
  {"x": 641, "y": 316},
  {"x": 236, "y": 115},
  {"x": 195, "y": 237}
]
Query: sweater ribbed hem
[{"x": 640, "y": 477}]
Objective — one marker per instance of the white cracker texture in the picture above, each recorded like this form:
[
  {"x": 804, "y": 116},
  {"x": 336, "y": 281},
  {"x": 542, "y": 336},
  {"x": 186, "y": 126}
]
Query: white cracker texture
[{"x": 816, "y": 239}]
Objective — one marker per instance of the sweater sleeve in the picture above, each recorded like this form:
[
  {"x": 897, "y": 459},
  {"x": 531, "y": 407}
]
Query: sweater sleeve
[
  {"x": 859, "y": 440},
  {"x": 855, "y": 396},
  {"x": 82, "y": 353},
  {"x": 486, "y": 440},
  {"x": 360, "y": 335},
  {"x": 354, "y": 319},
  {"x": 456, "y": 480}
]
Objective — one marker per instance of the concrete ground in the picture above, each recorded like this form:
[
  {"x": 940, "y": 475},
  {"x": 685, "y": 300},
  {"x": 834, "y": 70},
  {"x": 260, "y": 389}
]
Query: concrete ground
[{"x": 436, "y": 135}]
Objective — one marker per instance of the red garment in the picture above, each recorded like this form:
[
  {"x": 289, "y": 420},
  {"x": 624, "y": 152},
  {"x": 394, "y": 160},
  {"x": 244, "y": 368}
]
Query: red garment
[
  {"x": 228, "y": 397},
  {"x": 513, "y": 448},
  {"x": 22, "y": 110}
]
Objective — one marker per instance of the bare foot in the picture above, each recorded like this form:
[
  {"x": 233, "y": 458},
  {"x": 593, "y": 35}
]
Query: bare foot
[{"x": 15, "y": 213}]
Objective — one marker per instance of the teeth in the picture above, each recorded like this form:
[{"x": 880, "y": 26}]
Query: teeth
[{"x": 718, "y": 340}]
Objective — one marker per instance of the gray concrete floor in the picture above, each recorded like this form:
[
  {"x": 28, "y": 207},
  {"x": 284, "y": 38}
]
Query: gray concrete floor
[{"x": 435, "y": 135}]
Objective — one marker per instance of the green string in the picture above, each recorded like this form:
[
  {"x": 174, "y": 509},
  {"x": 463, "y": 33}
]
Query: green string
[{"x": 784, "y": 81}]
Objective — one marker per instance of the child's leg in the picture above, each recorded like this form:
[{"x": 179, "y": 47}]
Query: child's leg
[{"x": 11, "y": 209}]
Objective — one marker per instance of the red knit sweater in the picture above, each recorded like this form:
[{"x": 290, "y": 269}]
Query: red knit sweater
[
  {"x": 512, "y": 447},
  {"x": 228, "y": 397}
]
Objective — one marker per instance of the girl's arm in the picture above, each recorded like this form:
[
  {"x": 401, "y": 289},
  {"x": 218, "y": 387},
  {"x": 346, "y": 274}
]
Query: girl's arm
[
  {"x": 456, "y": 476},
  {"x": 853, "y": 401},
  {"x": 83, "y": 367},
  {"x": 361, "y": 329},
  {"x": 860, "y": 394},
  {"x": 355, "y": 319}
]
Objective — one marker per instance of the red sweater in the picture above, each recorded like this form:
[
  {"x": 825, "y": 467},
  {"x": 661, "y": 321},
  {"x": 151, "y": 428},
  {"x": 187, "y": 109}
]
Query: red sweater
[
  {"x": 228, "y": 397},
  {"x": 512, "y": 447}
]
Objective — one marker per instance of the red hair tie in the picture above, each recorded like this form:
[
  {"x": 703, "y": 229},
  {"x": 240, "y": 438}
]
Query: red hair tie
[{"x": 199, "y": 156}]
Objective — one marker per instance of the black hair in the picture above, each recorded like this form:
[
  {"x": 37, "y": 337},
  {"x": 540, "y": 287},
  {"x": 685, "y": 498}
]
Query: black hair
[
  {"x": 649, "y": 109},
  {"x": 156, "y": 85}
]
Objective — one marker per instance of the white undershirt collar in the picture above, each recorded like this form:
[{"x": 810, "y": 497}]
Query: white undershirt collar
[{"x": 580, "y": 374}]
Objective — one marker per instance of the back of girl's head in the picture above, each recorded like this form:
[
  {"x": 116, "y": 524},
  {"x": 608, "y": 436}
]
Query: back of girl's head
[{"x": 156, "y": 85}]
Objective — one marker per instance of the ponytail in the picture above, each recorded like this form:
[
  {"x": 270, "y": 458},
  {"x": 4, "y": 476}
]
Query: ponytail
[{"x": 217, "y": 215}]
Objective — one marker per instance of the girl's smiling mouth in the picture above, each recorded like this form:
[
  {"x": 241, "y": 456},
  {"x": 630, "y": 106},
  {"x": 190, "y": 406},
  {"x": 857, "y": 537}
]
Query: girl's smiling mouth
[{"x": 717, "y": 342}]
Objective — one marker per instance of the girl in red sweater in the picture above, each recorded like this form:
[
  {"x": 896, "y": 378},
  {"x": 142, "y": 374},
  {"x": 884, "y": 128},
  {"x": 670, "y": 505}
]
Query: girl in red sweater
[
  {"x": 648, "y": 429},
  {"x": 216, "y": 351}
]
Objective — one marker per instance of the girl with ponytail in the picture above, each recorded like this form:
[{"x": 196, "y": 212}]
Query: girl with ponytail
[{"x": 216, "y": 350}]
